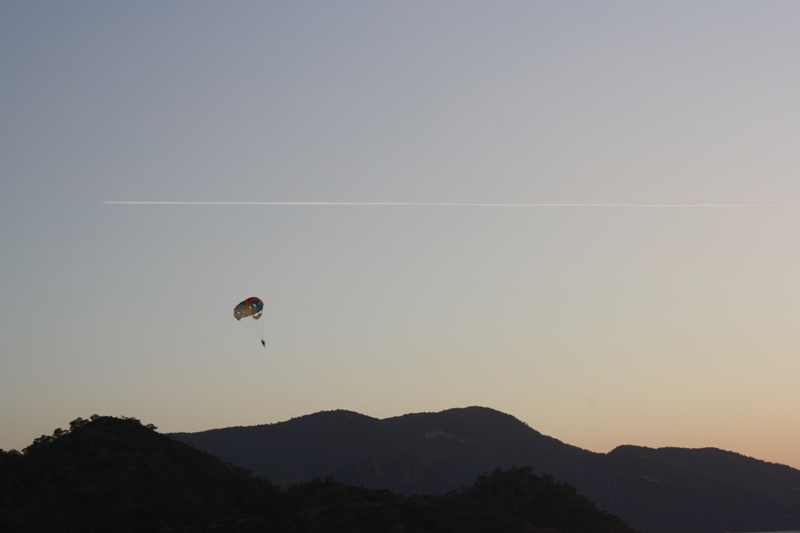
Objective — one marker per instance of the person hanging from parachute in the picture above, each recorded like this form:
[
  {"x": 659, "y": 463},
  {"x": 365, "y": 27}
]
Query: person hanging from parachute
[{"x": 251, "y": 310}]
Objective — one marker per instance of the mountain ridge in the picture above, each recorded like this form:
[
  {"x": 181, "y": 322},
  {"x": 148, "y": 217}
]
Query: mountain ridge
[
  {"x": 111, "y": 474},
  {"x": 433, "y": 453}
]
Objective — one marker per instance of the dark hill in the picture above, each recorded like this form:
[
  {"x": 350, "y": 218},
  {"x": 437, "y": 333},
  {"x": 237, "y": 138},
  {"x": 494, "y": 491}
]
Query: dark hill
[
  {"x": 702, "y": 490},
  {"x": 114, "y": 475},
  {"x": 656, "y": 491},
  {"x": 117, "y": 475}
]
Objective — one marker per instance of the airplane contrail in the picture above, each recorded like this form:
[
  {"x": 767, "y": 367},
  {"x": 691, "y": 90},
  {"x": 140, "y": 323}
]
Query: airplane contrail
[{"x": 444, "y": 204}]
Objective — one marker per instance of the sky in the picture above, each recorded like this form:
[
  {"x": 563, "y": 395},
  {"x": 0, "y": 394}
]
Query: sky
[{"x": 597, "y": 325}]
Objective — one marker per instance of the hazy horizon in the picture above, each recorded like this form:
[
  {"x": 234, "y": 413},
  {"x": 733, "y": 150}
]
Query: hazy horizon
[{"x": 644, "y": 290}]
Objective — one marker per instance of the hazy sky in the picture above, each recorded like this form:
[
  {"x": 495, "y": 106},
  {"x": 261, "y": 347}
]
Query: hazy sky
[{"x": 600, "y": 326}]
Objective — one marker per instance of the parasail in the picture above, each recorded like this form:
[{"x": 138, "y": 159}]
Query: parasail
[{"x": 248, "y": 312}]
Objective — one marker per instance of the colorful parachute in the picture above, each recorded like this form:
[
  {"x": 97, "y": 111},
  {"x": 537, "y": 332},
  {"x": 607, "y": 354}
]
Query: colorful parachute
[
  {"x": 251, "y": 307},
  {"x": 250, "y": 310}
]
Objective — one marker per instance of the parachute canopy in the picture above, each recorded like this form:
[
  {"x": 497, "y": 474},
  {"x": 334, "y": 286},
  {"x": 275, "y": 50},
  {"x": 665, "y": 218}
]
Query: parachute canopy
[{"x": 252, "y": 307}]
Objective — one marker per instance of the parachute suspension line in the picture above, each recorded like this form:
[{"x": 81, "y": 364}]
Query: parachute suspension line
[
  {"x": 249, "y": 327},
  {"x": 254, "y": 327},
  {"x": 304, "y": 367}
]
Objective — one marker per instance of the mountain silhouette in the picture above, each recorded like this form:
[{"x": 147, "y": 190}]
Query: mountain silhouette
[
  {"x": 425, "y": 453},
  {"x": 654, "y": 490},
  {"x": 113, "y": 474}
]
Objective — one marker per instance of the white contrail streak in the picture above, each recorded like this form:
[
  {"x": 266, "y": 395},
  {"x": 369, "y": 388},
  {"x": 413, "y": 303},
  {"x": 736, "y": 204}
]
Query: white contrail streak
[{"x": 446, "y": 204}]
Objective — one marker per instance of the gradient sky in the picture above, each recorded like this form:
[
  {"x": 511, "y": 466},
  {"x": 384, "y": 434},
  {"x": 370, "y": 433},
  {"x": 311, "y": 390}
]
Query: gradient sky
[{"x": 599, "y": 326}]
